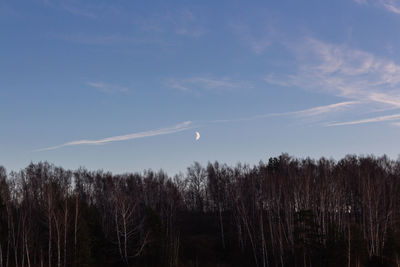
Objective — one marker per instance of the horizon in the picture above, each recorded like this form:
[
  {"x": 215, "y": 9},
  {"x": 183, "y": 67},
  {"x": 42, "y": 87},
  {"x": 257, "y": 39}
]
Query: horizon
[{"x": 183, "y": 172}]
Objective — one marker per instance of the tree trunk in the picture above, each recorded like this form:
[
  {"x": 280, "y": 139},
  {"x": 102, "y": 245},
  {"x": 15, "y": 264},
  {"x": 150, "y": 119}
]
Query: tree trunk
[
  {"x": 65, "y": 231},
  {"x": 49, "y": 222},
  {"x": 27, "y": 252},
  {"x": 1, "y": 256},
  {"x": 8, "y": 252},
  {"x": 14, "y": 244},
  {"x": 117, "y": 230},
  {"x": 76, "y": 229},
  {"x": 125, "y": 234},
  {"x": 349, "y": 246},
  {"x": 58, "y": 242},
  {"x": 221, "y": 225}
]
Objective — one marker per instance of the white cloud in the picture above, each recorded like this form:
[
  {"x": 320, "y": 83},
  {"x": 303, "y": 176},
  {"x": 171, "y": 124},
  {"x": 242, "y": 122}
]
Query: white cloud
[
  {"x": 348, "y": 73},
  {"x": 361, "y": 2},
  {"x": 74, "y": 9},
  {"x": 325, "y": 109},
  {"x": 108, "y": 88},
  {"x": 187, "y": 125},
  {"x": 369, "y": 120},
  {"x": 103, "y": 39},
  {"x": 183, "y": 22},
  {"x": 390, "y": 5},
  {"x": 310, "y": 112},
  {"x": 197, "y": 84},
  {"x": 257, "y": 43},
  {"x": 352, "y": 74},
  {"x": 174, "y": 129},
  {"x": 79, "y": 11}
]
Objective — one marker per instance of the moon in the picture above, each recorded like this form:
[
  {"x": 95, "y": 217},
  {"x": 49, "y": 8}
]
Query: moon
[{"x": 197, "y": 136}]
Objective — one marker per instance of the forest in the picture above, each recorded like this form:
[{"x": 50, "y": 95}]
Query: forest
[{"x": 282, "y": 212}]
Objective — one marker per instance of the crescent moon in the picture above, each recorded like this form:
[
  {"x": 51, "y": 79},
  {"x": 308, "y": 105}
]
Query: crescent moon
[{"x": 197, "y": 136}]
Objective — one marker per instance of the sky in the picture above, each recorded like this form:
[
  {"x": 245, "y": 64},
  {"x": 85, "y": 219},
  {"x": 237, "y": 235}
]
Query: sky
[{"x": 123, "y": 86}]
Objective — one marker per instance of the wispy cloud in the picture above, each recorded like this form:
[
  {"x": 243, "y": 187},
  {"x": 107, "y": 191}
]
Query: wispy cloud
[
  {"x": 189, "y": 125},
  {"x": 96, "y": 39},
  {"x": 348, "y": 73},
  {"x": 257, "y": 43},
  {"x": 107, "y": 39},
  {"x": 174, "y": 129},
  {"x": 390, "y": 5},
  {"x": 200, "y": 83},
  {"x": 369, "y": 120},
  {"x": 345, "y": 72},
  {"x": 315, "y": 111},
  {"x": 310, "y": 112},
  {"x": 361, "y": 2},
  {"x": 184, "y": 22},
  {"x": 108, "y": 88},
  {"x": 72, "y": 8},
  {"x": 79, "y": 11}
]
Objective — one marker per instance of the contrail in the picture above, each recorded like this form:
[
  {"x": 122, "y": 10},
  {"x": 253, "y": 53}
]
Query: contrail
[
  {"x": 315, "y": 111},
  {"x": 188, "y": 125},
  {"x": 177, "y": 128},
  {"x": 369, "y": 120}
]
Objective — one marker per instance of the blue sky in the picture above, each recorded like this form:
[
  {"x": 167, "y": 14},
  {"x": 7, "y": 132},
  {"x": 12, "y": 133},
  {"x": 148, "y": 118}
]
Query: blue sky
[{"x": 124, "y": 85}]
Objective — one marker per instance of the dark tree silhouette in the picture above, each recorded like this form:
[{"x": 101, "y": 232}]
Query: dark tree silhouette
[{"x": 283, "y": 212}]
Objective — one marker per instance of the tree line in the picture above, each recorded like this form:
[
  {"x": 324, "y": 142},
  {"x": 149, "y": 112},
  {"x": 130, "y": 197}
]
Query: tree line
[{"x": 283, "y": 212}]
